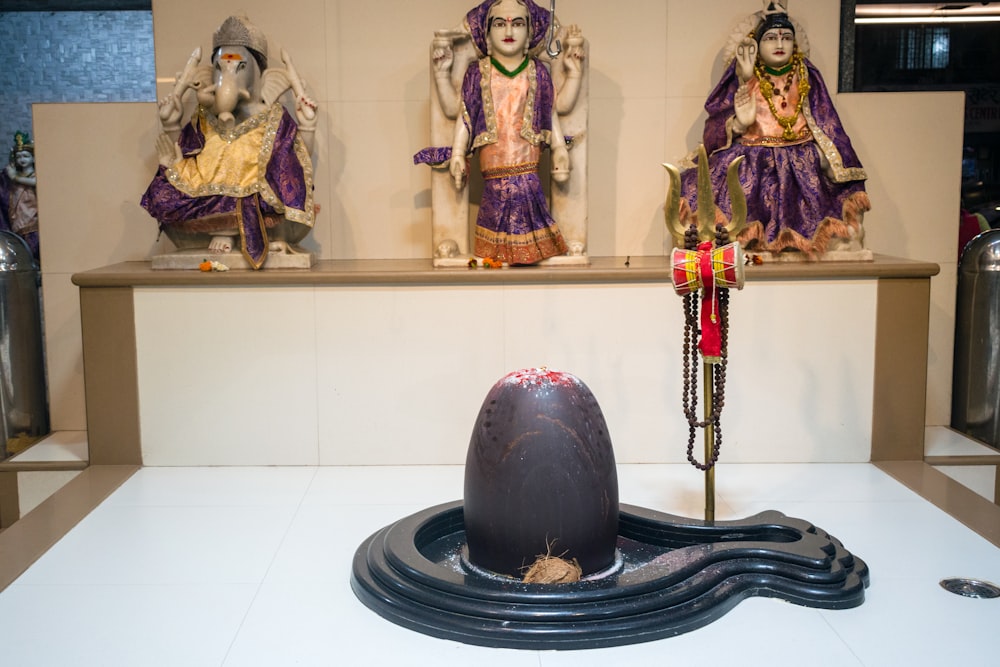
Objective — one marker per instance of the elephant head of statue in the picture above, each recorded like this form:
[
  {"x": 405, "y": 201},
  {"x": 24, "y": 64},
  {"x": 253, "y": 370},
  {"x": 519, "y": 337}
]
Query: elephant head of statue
[
  {"x": 233, "y": 93},
  {"x": 238, "y": 83},
  {"x": 239, "y": 57}
]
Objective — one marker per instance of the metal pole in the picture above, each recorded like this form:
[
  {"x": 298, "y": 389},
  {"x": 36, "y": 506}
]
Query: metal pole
[{"x": 709, "y": 438}]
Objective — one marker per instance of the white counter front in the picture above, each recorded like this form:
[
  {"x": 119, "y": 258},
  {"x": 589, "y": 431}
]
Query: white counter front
[{"x": 274, "y": 369}]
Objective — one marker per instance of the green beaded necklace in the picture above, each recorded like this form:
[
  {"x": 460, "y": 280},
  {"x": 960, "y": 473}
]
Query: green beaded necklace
[
  {"x": 780, "y": 71},
  {"x": 508, "y": 73}
]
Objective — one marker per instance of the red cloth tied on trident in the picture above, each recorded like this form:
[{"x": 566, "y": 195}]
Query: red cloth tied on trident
[
  {"x": 708, "y": 269},
  {"x": 710, "y": 344}
]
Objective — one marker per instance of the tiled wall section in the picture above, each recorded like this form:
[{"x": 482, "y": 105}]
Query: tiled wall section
[{"x": 72, "y": 57}]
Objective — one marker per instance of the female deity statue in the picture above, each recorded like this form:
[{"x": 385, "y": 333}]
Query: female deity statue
[
  {"x": 508, "y": 111},
  {"x": 240, "y": 167},
  {"x": 18, "y": 201},
  {"x": 803, "y": 181}
]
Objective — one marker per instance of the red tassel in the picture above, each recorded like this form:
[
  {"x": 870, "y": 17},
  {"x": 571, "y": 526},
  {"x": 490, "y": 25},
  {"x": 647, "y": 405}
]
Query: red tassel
[{"x": 710, "y": 344}]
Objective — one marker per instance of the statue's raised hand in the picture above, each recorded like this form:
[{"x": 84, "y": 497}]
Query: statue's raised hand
[
  {"x": 573, "y": 55},
  {"x": 305, "y": 110},
  {"x": 170, "y": 111},
  {"x": 193, "y": 77},
  {"x": 442, "y": 53},
  {"x": 167, "y": 151},
  {"x": 168, "y": 108},
  {"x": 305, "y": 106},
  {"x": 746, "y": 58}
]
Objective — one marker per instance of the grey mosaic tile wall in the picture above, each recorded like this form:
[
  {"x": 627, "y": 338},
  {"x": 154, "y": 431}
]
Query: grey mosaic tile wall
[{"x": 71, "y": 57}]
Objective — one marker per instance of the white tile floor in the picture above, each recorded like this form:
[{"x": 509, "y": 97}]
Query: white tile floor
[{"x": 251, "y": 566}]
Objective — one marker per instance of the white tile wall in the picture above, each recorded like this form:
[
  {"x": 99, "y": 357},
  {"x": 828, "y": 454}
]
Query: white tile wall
[{"x": 356, "y": 375}]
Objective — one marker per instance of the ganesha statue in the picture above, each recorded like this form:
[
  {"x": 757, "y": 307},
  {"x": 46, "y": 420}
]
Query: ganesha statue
[
  {"x": 507, "y": 85},
  {"x": 235, "y": 181}
]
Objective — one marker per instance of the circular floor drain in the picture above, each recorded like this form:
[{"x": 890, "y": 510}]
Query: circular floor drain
[{"x": 971, "y": 588}]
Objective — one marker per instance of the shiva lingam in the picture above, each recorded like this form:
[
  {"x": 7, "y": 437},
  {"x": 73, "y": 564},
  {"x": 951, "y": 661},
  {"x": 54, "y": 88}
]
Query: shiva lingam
[
  {"x": 541, "y": 484},
  {"x": 540, "y": 477}
]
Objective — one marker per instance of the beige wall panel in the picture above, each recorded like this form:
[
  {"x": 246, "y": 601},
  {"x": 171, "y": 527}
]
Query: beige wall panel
[
  {"x": 627, "y": 47},
  {"x": 385, "y": 46},
  {"x": 941, "y": 345},
  {"x": 64, "y": 353},
  {"x": 913, "y": 167},
  {"x": 383, "y": 197},
  {"x": 626, "y": 218},
  {"x": 88, "y": 198}
]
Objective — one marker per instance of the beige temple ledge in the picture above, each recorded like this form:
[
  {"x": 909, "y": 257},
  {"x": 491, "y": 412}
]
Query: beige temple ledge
[
  {"x": 109, "y": 336},
  {"x": 422, "y": 272}
]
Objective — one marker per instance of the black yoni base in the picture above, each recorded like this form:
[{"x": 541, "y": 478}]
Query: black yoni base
[{"x": 675, "y": 575}]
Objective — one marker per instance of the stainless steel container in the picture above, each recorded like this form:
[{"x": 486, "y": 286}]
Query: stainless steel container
[
  {"x": 24, "y": 414},
  {"x": 975, "y": 398}
]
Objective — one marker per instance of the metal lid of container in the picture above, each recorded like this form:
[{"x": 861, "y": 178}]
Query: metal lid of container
[
  {"x": 15, "y": 255},
  {"x": 982, "y": 253}
]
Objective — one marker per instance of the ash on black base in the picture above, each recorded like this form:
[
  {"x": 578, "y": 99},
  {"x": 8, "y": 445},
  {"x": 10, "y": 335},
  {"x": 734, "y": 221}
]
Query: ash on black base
[{"x": 674, "y": 575}]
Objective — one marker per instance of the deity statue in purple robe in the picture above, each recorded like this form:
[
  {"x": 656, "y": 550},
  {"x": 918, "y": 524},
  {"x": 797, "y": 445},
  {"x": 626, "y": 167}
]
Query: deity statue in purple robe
[
  {"x": 18, "y": 201},
  {"x": 804, "y": 183},
  {"x": 239, "y": 172},
  {"x": 506, "y": 110}
]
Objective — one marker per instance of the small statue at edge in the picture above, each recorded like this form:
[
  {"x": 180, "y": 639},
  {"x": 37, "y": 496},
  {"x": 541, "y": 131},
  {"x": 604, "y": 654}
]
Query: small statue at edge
[{"x": 18, "y": 199}]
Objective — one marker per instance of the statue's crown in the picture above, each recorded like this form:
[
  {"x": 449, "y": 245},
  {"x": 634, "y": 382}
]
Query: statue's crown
[
  {"x": 22, "y": 142},
  {"x": 238, "y": 31},
  {"x": 774, "y": 16}
]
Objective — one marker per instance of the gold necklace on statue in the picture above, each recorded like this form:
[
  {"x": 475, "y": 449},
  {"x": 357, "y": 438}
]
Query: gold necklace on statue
[{"x": 767, "y": 89}]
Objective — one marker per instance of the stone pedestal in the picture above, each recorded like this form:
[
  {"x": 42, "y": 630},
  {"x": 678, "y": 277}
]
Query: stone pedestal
[{"x": 191, "y": 259}]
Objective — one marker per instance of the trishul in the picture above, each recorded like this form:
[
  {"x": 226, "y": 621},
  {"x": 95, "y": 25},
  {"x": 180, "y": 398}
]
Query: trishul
[
  {"x": 706, "y": 201},
  {"x": 708, "y": 261},
  {"x": 703, "y": 267}
]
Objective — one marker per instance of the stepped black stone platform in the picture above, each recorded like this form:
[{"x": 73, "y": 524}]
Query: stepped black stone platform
[{"x": 673, "y": 575}]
